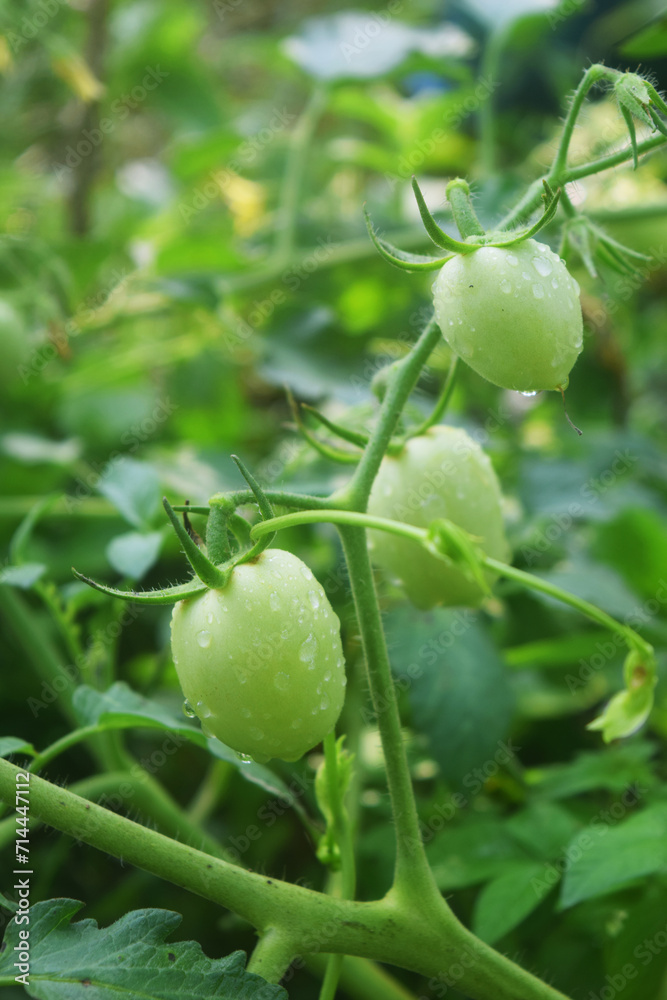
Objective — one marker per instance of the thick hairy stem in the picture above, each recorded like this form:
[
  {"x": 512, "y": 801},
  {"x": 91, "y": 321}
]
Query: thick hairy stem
[{"x": 426, "y": 939}]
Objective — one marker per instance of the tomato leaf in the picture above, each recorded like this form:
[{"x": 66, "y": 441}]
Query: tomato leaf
[{"x": 130, "y": 957}]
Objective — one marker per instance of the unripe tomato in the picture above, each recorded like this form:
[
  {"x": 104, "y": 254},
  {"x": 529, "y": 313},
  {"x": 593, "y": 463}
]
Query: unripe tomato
[
  {"x": 442, "y": 474},
  {"x": 260, "y": 661},
  {"x": 512, "y": 314}
]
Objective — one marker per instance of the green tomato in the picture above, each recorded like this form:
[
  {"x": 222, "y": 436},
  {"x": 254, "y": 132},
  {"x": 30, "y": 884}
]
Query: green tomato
[
  {"x": 442, "y": 474},
  {"x": 260, "y": 661},
  {"x": 512, "y": 314}
]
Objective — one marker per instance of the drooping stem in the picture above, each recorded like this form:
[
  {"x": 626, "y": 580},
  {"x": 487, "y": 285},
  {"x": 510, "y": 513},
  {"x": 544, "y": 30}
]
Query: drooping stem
[
  {"x": 442, "y": 402},
  {"x": 594, "y": 74}
]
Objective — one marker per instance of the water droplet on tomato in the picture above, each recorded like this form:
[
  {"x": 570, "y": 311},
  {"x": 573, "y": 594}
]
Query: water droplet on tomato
[
  {"x": 246, "y": 713},
  {"x": 531, "y": 393},
  {"x": 306, "y": 573},
  {"x": 308, "y": 650},
  {"x": 281, "y": 681},
  {"x": 324, "y": 704},
  {"x": 554, "y": 283},
  {"x": 314, "y": 599},
  {"x": 538, "y": 291},
  {"x": 203, "y": 711},
  {"x": 511, "y": 259},
  {"x": 255, "y": 733},
  {"x": 245, "y": 758},
  {"x": 542, "y": 265},
  {"x": 274, "y": 601},
  {"x": 204, "y": 638},
  {"x": 505, "y": 286},
  {"x": 188, "y": 709},
  {"x": 297, "y": 723}
]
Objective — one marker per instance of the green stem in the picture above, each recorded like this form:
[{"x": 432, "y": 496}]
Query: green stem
[
  {"x": 354, "y": 519},
  {"x": 295, "y": 169},
  {"x": 630, "y": 637},
  {"x": 458, "y": 196},
  {"x": 425, "y": 938},
  {"x": 592, "y": 76},
  {"x": 272, "y": 955},
  {"x": 441, "y": 405},
  {"x": 533, "y": 196},
  {"x": 401, "y": 381},
  {"x": 341, "y": 825},
  {"x": 490, "y": 75},
  {"x": 413, "y": 877}
]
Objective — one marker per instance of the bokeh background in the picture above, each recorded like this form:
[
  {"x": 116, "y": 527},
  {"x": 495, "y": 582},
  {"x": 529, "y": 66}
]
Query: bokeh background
[{"x": 181, "y": 193}]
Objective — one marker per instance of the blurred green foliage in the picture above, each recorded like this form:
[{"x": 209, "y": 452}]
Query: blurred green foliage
[{"x": 181, "y": 189}]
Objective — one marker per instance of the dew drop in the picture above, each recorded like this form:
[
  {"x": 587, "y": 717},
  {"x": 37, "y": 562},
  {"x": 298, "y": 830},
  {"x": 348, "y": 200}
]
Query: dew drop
[
  {"x": 245, "y": 758},
  {"x": 188, "y": 709},
  {"x": 274, "y": 601},
  {"x": 246, "y": 713},
  {"x": 306, "y": 572},
  {"x": 531, "y": 393},
  {"x": 297, "y": 723},
  {"x": 255, "y": 733},
  {"x": 511, "y": 259},
  {"x": 203, "y": 711},
  {"x": 210, "y": 619},
  {"x": 324, "y": 704},
  {"x": 554, "y": 282},
  {"x": 281, "y": 681},
  {"x": 204, "y": 638},
  {"x": 542, "y": 265},
  {"x": 327, "y": 676},
  {"x": 308, "y": 650},
  {"x": 505, "y": 286},
  {"x": 538, "y": 291},
  {"x": 525, "y": 275},
  {"x": 314, "y": 599}
]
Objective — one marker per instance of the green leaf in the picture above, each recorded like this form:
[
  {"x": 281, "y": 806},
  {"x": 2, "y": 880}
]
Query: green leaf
[
  {"x": 168, "y": 595},
  {"x": 458, "y": 688},
  {"x": 611, "y": 769},
  {"x": 23, "y": 576},
  {"x": 543, "y": 828},
  {"x": 402, "y": 258},
  {"x": 472, "y": 851},
  {"x": 129, "y": 958},
  {"x": 134, "y": 553},
  {"x": 14, "y": 744},
  {"x": 133, "y": 488},
  {"x": 508, "y": 899},
  {"x": 615, "y": 853},
  {"x": 120, "y": 708}
]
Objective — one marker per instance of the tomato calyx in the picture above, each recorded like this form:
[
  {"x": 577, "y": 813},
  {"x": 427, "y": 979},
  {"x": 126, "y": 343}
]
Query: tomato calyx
[
  {"x": 473, "y": 236},
  {"x": 228, "y": 545}
]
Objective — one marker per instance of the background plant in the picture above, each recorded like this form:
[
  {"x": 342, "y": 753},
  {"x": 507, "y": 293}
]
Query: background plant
[{"x": 160, "y": 344}]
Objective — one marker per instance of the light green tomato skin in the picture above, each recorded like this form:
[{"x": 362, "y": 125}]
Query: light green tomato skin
[
  {"x": 512, "y": 314},
  {"x": 261, "y": 661},
  {"x": 442, "y": 474}
]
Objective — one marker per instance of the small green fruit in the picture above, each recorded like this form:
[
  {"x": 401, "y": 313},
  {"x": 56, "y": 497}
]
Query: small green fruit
[
  {"x": 442, "y": 474},
  {"x": 512, "y": 314},
  {"x": 260, "y": 661}
]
